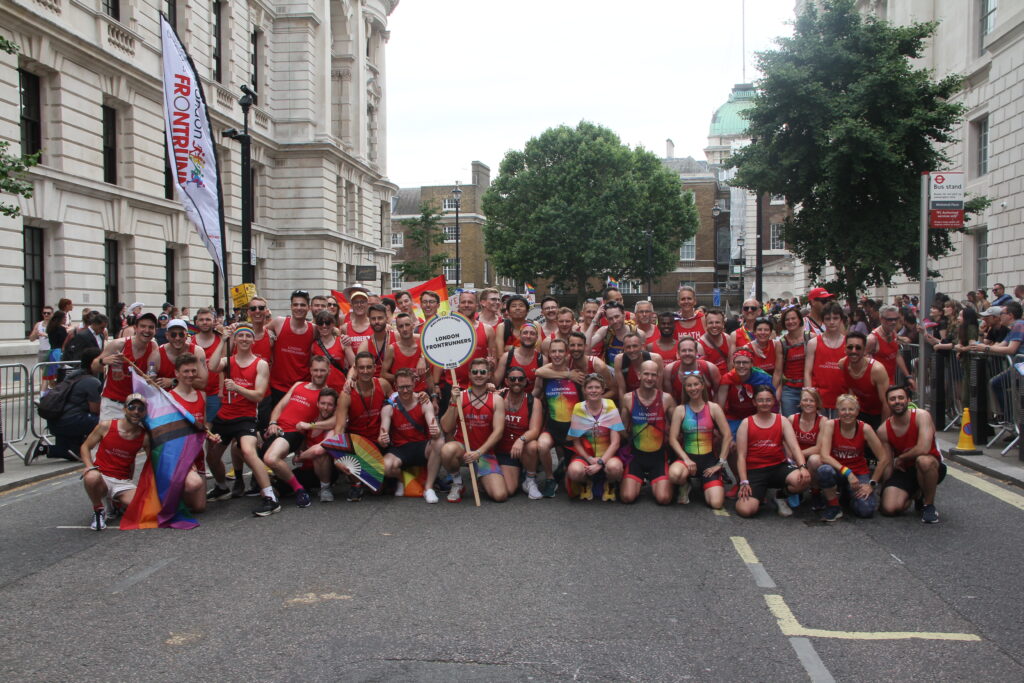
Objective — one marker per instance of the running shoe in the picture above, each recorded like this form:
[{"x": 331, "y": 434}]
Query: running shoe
[
  {"x": 783, "y": 506},
  {"x": 302, "y": 498},
  {"x": 929, "y": 515},
  {"x": 683, "y": 497},
  {"x": 794, "y": 500},
  {"x": 817, "y": 501},
  {"x": 99, "y": 520},
  {"x": 400, "y": 489},
  {"x": 609, "y": 494},
  {"x": 531, "y": 489},
  {"x": 587, "y": 492},
  {"x": 218, "y": 493},
  {"x": 238, "y": 488},
  {"x": 549, "y": 488},
  {"x": 268, "y": 506},
  {"x": 444, "y": 484},
  {"x": 832, "y": 513},
  {"x": 455, "y": 494},
  {"x": 355, "y": 492},
  {"x": 326, "y": 495},
  {"x": 254, "y": 489},
  {"x": 430, "y": 496}
]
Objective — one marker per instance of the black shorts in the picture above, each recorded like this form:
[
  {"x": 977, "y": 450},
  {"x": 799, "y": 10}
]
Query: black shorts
[
  {"x": 764, "y": 478},
  {"x": 263, "y": 410},
  {"x": 906, "y": 480},
  {"x": 411, "y": 454},
  {"x": 506, "y": 460},
  {"x": 294, "y": 439},
  {"x": 559, "y": 432},
  {"x": 704, "y": 462},
  {"x": 229, "y": 430},
  {"x": 650, "y": 467}
]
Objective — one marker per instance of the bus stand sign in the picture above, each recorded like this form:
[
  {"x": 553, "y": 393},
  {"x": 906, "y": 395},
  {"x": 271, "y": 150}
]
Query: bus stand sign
[{"x": 946, "y": 199}]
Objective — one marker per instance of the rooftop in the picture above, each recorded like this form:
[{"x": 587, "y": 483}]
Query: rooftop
[{"x": 727, "y": 120}]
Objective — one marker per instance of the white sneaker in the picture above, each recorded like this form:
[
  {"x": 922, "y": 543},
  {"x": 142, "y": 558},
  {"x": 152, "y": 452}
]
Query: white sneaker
[
  {"x": 430, "y": 496},
  {"x": 784, "y": 509},
  {"x": 400, "y": 489},
  {"x": 683, "y": 497},
  {"x": 326, "y": 495},
  {"x": 99, "y": 520},
  {"x": 455, "y": 495},
  {"x": 530, "y": 489}
]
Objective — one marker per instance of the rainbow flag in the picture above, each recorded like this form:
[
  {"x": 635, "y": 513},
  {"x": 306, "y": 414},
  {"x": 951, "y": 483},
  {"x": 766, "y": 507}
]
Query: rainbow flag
[
  {"x": 193, "y": 330},
  {"x": 360, "y": 456},
  {"x": 175, "y": 442},
  {"x": 611, "y": 282},
  {"x": 529, "y": 288},
  {"x": 343, "y": 304},
  {"x": 439, "y": 286}
]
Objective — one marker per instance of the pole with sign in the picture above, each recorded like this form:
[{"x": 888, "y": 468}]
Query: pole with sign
[{"x": 448, "y": 342}]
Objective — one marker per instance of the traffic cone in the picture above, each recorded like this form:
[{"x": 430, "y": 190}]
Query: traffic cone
[{"x": 965, "y": 444}]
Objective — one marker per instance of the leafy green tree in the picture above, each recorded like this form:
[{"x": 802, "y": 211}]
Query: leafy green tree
[
  {"x": 424, "y": 233},
  {"x": 12, "y": 168},
  {"x": 576, "y": 203},
  {"x": 843, "y": 126}
]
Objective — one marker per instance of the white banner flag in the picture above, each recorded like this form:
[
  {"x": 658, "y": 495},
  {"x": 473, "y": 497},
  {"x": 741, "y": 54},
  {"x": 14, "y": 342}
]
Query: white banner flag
[{"x": 190, "y": 143}]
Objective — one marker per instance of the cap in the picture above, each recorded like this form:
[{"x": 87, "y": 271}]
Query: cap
[
  {"x": 819, "y": 293},
  {"x": 992, "y": 310},
  {"x": 137, "y": 304},
  {"x": 177, "y": 322},
  {"x": 350, "y": 292},
  {"x": 357, "y": 295},
  {"x": 132, "y": 398}
]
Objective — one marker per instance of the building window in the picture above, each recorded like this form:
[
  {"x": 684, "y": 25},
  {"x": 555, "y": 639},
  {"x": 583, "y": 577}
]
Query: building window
[
  {"x": 171, "y": 10},
  {"x": 450, "y": 234},
  {"x": 109, "y": 144},
  {"x": 34, "y": 292},
  {"x": 112, "y": 8},
  {"x": 111, "y": 259},
  {"x": 169, "y": 266},
  {"x": 778, "y": 199},
  {"x": 397, "y": 239},
  {"x": 631, "y": 287},
  {"x": 688, "y": 283},
  {"x": 255, "y": 39},
  {"x": 487, "y": 272},
  {"x": 396, "y": 279},
  {"x": 986, "y": 21},
  {"x": 451, "y": 270},
  {"x": 31, "y": 113},
  {"x": 777, "y": 241},
  {"x": 980, "y": 136},
  {"x": 688, "y": 250},
  {"x": 981, "y": 256},
  {"x": 218, "y": 37},
  {"x": 449, "y": 204}
]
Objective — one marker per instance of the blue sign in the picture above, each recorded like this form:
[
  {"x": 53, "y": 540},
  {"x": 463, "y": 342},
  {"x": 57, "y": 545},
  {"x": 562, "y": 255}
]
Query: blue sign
[{"x": 716, "y": 297}]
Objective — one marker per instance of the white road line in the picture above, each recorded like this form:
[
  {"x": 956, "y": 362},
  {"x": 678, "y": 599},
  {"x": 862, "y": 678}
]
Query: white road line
[
  {"x": 139, "y": 576},
  {"x": 812, "y": 663}
]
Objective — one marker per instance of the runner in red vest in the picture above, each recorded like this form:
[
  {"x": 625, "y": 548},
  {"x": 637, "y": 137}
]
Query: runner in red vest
[
  {"x": 484, "y": 413},
  {"x": 917, "y": 467},
  {"x": 664, "y": 342},
  {"x": 524, "y": 356},
  {"x": 327, "y": 344},
  {"x": 866, "y": 379},
  {"x": 141, "y": 350},
  {"x": 109, "y": 475},
  {"x": 626, "y": 369},
  {"x": 359, "y": 409},
  {"x": 821, "y": 363},
  {"x": 565, "y": 321},
  {"x": 208, "y": 340},
  {"x": 405, "y": 352},
  {"x": 744, "y": 334},
  {"x": 884, "y": 347},
  {"x": 292, "y": 348},
  {"x": 688, "y": 364},
  {"x": 524, "y": 419},
  {"x": 178, "y": 343},
  {"x": 357, "y": 324},
  {"x": 715, "y": 346},
  {"x": 409, "y": 434},
  {"x": 646, "y": 412},
  {"x": 193, "y": 402},
  {"x": 490, "y": 307},
  {"x": 380, "y": 338},
  {"x": 689, "y": 321},
  {"x": 549, "y": 309}
]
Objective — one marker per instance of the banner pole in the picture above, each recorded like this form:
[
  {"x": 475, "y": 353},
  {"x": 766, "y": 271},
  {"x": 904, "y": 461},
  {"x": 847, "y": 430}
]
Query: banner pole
[
  {"x": 922, "y": 309},
  {"x": 465, "y": 433}
]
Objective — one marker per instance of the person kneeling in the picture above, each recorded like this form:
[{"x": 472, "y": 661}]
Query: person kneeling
[
  {"x": 595, "y": 433},
  {"x": 409, "y": 435}
]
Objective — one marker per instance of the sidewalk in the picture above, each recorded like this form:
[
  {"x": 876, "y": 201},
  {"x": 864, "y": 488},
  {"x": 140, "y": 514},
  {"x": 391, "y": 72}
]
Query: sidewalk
[
  {"x": 17, "y": 474},
  {"x": 1008, "y": 468}
]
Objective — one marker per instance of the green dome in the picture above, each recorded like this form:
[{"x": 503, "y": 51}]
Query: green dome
[{"x": 727, "y": 120}]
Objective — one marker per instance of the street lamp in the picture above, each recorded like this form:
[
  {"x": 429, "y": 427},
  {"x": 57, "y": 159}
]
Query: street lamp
[
  {"x": 740, "y": 241},
  {"x": 245, "y": 140},
  {"x": 457, "y": 194}
]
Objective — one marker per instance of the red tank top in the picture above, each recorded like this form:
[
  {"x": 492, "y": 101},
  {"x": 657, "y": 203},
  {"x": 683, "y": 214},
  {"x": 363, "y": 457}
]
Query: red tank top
[
  {"x": 743, "y": 337},
  {"x": 234, "y": 405},
  {"x": 264, "y": 348},
  {"x": 300, "y": 408},
  {"x": 530, "y": 369},
  {"x": 335, "y": 377},
  {"x": 357, "y": 338},
  {"x": 401, "y": 361},
  {"x": 115, "y": 455},
  {"x": 479, "y": 351},
  {"x": 291, "y": 357},
  {"x": 478, "y": 420},
  {"x": 631, "y": 370},
  {"x": 886, "y": 353},
  {"x": 696, "y": 331},
  {"x": 378, "y": 351},
  {"x": 517, "y": 423},
  {"x": 764, "y": 444},
  {"x": 806, "y": 439},
  {"x": 793, "y": 363},
  {"x": 863, "y": 389},
  {"x": 364, "y": 413},
  {"x": 739, "y": 402},
  {"x": 719, "y": 355},
  {"x": 826, "y": 375},
  {"x": 118, "y": 389},
  {"x": 849, "y": 451},
  {"x": 768, "y": 362},
  {"x": 668, "y": 355},
  {"x": 196, "y": 408},
  {"x": 403, "y": 430},
  {"x": 213, "y": 379},
  {"x": 166, "y": 368},
  {"x": 902, "y": 444},
  {"x": 703, "y": 367}
]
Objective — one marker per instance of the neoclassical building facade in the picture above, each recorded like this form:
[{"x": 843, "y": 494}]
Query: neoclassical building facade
[{"x": 103, "y": 226}]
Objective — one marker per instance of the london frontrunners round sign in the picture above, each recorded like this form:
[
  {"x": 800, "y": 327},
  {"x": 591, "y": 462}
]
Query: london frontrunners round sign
[{"x": 448, "y": 341}]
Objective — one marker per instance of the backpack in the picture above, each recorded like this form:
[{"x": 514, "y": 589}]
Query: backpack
[{"x": 51, "y": 406}]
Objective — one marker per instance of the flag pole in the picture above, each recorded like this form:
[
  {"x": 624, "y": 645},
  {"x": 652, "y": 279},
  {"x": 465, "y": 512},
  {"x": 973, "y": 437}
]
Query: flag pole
[{"x": 465, "y": 433}]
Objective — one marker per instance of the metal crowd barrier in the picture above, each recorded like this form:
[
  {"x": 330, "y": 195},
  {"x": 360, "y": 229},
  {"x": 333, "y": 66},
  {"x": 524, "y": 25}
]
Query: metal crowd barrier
[
  {"x": 38, "y": 426},
  {"x": 15, "y": 406}
]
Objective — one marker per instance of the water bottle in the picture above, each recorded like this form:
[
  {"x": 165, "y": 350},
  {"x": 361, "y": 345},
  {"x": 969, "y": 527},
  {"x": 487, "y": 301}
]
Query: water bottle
[
  {"x": 151, "y": 370},
  {"x": 117, "y": 372}
]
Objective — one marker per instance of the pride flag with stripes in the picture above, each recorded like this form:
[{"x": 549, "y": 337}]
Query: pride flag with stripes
[
  {"x": 611, "y": 282},
  {"x": 439, "y": 286},
  {"x": 175, "y": 442}
]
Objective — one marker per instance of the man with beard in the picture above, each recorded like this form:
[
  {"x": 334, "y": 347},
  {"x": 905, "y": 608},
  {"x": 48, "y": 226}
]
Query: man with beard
[
  {"x": 524, "y": 356},
  {"x": 627, "y": 363},
  {"x": 177, "y": 344},
  {"x": 917, "y": 467},
  {"x": 688, "y": 364},
  {"x": 715, "y": 345},
  {"x": 377, "y": 343},
  {"x": 645, "y": 414},
  {"x": 293, "y": 347},
  {"x": 664, "y": 342},
  {"x": 405, "y": 352},
  {"x": 565, "y": 322},
  {"x": 866, "y": 379},
  {"x": 118, "y": 355}
]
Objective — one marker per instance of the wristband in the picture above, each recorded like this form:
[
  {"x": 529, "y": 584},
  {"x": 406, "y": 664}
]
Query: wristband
[
  {"x": 845, "y": 471},
  {"x": 745, "y": 482},
  {"x": 723, "y": 463},
  {"x": 523, "y": 438}
]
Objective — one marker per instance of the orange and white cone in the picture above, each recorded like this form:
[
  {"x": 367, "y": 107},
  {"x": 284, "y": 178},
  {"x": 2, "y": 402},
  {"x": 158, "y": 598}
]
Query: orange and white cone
[{"x": 965, "y": 444}]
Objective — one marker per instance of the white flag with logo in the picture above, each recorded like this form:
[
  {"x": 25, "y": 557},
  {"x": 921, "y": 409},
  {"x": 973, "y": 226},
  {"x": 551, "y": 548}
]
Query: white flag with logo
[{"x": 190, "y": 143}]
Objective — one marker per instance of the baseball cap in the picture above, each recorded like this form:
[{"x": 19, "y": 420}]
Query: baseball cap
[
  {"x": 132, "y": 398},
  {"x": 177, "y": 322},
  {"x": 354, "y": 290},
  {"x": 356, "y": 295},
  {"x": 992, "y": 310},
  {"x": 819, "y": 293}
]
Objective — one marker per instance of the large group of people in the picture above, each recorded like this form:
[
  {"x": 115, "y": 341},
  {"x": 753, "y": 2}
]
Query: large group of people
[{"x": 783, "y": 409}]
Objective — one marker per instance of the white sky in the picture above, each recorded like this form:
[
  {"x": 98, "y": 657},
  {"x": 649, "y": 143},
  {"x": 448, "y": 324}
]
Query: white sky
[{"x": 471, "y": 79}]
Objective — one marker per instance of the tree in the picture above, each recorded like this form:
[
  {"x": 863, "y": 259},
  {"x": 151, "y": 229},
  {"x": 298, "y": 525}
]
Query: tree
[
  {"x": 843, "y": 126},
  {"x": 12, "y": 168},
  {"x": 424, "y": 233},
  {"x": 576, "y": 203}
]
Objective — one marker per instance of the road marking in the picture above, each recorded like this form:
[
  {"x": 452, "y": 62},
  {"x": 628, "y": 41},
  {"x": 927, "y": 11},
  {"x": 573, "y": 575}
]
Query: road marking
[
  {"x": 80, "y": 527},
  {"x": 720, "y": 512},
  {"x": 813, "y": 665},
  {"x": 313, "y": 598},
  {"x": 136, "y": 578},
  {"x": 791, "y": 627},
  {"x": 897, "y": 559},
  {"x": 757, "y": 570},
  {"x": 1008, "y": 497},
  {"x": 182, "y": 638},
  {"x": 746, "y": 553}
]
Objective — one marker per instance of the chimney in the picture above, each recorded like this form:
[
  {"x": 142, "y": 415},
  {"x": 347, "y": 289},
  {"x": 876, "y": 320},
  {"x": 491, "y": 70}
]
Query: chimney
[
  {"x": 670, "y": 149},
  {"x": 481, "y": 175}
]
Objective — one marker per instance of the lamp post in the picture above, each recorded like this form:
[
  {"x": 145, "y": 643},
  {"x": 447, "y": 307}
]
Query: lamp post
[
  {"x": 740, "y": 241},
  {"x": 245, "y": 140},
  {"x": 457, "y": 194}
]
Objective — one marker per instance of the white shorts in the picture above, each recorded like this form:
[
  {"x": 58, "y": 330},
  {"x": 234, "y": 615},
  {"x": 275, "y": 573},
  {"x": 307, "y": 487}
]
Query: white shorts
[
  {"x": 111, "y": 409},
  {"x": 115, "y": 487}
]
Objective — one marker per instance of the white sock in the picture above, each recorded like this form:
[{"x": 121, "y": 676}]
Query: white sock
[
  {"x": 269, "y": 493},
  {"x": 457, "y": 480},
  {"x": 325, "y": 484}
]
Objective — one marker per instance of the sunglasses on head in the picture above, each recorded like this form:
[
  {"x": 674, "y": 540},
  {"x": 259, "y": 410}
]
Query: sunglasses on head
[
  {"x": 257, "y": 308},
  {"x": 478, "y": 372}
]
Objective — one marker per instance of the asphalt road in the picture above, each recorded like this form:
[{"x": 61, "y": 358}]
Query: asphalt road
[{"x": 394, "y": 590}]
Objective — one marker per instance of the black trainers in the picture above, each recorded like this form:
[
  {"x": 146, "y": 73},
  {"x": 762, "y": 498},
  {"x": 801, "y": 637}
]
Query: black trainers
[
  {"x": 302, "y": 498},
  {"x": 355, "y": 492},
  {"x": 254, "y": 489},
  {"x": 268, "y": 507},
  {"x": 832, "y": 513},
  {"x": 929, "y": 515},
  {"x": 218, "y": 493},
  {"x": 238, "y": 488}
]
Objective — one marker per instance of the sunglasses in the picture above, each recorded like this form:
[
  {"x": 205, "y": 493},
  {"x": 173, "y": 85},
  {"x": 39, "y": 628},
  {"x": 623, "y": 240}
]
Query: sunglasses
[
  {"x": 404, "y": 388},
  {"x": 257, "y": 308},
  {"x": 517, "y": 379},
  {"x": 47, "y": 312},
  {"x": 751, "y": 308},
  {"x": 854, "y": 347},
  {"x": 691, "y": 372},
  {"x": 176, "y": 333},
  {"x": 478, "y": 372},
  {"x": 135, "y": 408},
  {"x": 325, "y": 324}
]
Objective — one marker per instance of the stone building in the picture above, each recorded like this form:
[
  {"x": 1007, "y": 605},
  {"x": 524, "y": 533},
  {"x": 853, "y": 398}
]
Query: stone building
[{"x": 103, "y": 226}]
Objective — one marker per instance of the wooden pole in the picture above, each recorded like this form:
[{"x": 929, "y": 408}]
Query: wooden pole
[{"x": 465, "y": 433}]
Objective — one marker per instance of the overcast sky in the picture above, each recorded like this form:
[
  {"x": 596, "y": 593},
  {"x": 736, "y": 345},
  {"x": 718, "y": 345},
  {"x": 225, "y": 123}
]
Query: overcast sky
[{"x": 471, "y": 79}]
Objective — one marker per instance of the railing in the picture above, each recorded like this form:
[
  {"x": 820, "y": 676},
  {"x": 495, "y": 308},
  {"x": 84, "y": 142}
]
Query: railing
[{"x": 19, "y": 395}]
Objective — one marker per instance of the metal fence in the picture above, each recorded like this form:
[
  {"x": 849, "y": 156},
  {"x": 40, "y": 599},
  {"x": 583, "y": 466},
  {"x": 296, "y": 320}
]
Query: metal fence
[{"x": 19, "y": 396}]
